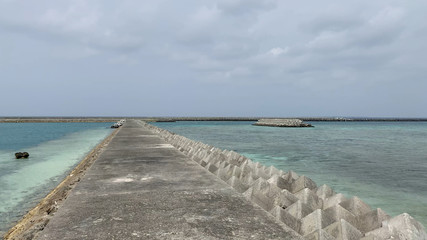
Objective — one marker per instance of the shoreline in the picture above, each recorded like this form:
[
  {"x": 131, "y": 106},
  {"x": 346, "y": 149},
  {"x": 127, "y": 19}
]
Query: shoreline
[{"x": 36, "y": 219}]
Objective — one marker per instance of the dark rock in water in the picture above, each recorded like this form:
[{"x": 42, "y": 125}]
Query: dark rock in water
[
  {"x": 19, "y": 155},
  {"x": 115, "y": 125}
]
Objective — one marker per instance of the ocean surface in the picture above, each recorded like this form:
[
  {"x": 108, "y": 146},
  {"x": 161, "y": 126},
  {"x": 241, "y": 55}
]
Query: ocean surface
[
  {"x": 54, "y": 148},
  {"x": 383, "y": 163}
]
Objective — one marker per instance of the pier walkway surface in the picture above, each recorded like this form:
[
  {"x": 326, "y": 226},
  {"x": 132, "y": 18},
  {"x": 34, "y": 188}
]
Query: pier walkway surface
[{"x": 143, "y": 188}]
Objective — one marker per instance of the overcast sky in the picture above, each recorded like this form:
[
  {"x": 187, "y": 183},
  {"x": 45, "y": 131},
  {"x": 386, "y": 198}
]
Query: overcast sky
[{"x": 213, "y": 58}]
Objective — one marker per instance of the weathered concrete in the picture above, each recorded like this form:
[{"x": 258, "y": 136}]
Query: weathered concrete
[{"x": 143, "y": 187}]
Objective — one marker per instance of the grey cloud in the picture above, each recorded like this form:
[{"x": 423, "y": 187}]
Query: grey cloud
[
  {"x": 239, "y": 7},
  {"x": 331, "y": 23},
  {"x": 276, "y": 50}
]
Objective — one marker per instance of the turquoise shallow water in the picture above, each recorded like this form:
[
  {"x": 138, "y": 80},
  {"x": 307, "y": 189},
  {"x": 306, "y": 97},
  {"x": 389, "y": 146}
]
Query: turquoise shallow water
[
  {"x": 55, "y": 148},
  {"x": 384, "y": 163}
]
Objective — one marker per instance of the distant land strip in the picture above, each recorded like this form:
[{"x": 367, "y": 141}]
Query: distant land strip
[{"x": 174, "y": 119}]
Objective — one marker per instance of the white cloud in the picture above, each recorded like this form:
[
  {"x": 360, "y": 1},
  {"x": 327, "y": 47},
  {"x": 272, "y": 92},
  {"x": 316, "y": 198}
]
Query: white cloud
[{"x": 278, "y": 51}]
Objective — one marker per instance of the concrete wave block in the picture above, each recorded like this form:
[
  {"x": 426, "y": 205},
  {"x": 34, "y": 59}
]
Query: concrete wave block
[
  {"x": 310, "y": 198},
  {"x": 283, "y": 216},
  {"x": 356, "y": 206},
  {"x": 212, "y": 158},
  {"x": 249, "y": 163},
  {"x": 337, "y": 213},
  {"x": 259, "y": 171},
  {"x": 285, "y": 199},
  {"x": 342, "y": 230},
  {"x": 196, "y": 158},
  {"x": 237, "y": 185},
  {"x": 202, "y": 154},
  {"x": 402, "y": 227},
  {"x": 235, "y": 171},
  {"x": 271, "y": 170},
  {"x": 334, "y": 200},
  {"x": 224, "y": 173},
  {"x": 301, "y": 183},
  {"x": 299, "y": 209},
  {"x": 192, "y": 151},
  {"x": 203, "y": 163},
  {"x": 291, "y": 176},
  {"x": 259, "y": 199},
  {"x": 234, "y": 155},
  {"x": 371, "y": 220},
  {"x": 319, "y": 235},
  {"x": 325, "y": 191},
  {"x": 246, "y": 161},
  {"x": 263, "y": 193},
  {"x": 315, "y": 221},
  {"x": 223, "y": 164},
  {"x": 264, "y": 187},
  {"x": 275, "y": 196},
  {"x": 243, "y": 160},
  {"x": 405, "y": 225},
  {"x": 222, "y": 158},
  {"x": 230, "y": 155},
  {"x": 237, "y": 161},
  {"x": 245, "y": 170},
  {"x": 216, "y": 163},
  {"x": 248, "y": 178},
  {"x": 211, "y": 168},
  {"x": 279, "y": 182},
  {"x": 258, "y": 165}
]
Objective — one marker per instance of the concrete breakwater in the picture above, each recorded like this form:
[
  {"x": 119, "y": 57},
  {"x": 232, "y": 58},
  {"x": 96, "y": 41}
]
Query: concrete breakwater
[
  {"x": 282, "y": 122},
  {"x": 314, "y": 212}
]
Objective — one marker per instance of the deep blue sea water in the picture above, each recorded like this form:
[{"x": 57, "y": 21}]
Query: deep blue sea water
[
  {"x": 383, "y": 163},
  {"x": 55, "y": 148}
]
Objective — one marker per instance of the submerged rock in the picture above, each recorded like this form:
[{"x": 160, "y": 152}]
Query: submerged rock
[{"x": 282, "y": 122}]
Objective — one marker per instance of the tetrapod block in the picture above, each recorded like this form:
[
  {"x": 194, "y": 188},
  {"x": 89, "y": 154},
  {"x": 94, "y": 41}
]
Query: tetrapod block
[
  {"x": 301, "y": 183},
  {"x": 324, "y": 192},
  {"x": 314, "y": 221},
  {"x": 299, "y": 209},
  {"x": 342, "y": 230},
  {"x": 310, "y": 198},
  {"x": 283, "y": 216},
  {"x": 356, "y": 206}
]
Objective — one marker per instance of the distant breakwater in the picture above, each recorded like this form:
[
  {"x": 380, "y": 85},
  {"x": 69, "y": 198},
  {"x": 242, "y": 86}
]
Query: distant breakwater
[
  {"x": 174, "y": 119},
  {"x": 281, "y": 122},
  {"x": 316, "y": 212}
]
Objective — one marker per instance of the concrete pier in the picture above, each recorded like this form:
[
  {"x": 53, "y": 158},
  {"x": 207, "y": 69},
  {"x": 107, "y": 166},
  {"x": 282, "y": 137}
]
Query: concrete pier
[{"x": 143, "y": 187}]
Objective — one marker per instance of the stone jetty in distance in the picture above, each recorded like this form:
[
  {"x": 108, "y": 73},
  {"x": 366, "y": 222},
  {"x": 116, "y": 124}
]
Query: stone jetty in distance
[{"x": 281, "y": 122}]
